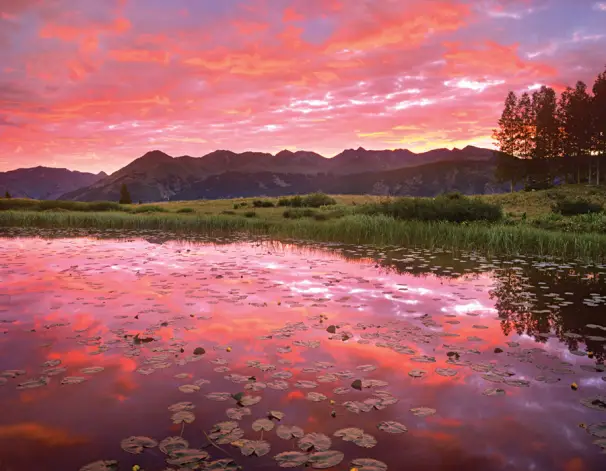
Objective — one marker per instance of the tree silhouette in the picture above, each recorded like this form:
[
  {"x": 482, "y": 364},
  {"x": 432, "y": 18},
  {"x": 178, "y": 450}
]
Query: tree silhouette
[
  {"x": 7, "y": 195},
  {"x": 125, "y": 195}
]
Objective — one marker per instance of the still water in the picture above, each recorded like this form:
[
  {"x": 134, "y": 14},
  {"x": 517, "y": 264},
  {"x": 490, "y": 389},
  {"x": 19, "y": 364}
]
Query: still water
[{"x": 331, "y": 358}]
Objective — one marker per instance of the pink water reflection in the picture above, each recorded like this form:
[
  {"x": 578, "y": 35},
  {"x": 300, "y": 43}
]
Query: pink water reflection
[{"x": 230, "y": 295}]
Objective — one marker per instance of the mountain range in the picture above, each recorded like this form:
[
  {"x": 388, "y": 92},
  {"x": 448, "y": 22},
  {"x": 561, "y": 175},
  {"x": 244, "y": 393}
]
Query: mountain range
[
  {"x": 157, "y": 176},
  {"x": 45, "y": 183}
]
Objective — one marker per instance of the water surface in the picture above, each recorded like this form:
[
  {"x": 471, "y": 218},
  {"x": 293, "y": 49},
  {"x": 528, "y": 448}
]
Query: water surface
[{"x": 474, "y": 357}]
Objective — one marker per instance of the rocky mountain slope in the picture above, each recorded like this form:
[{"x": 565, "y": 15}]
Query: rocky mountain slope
[
  {"x": 157, "y": 176},
  {"x": 45, "y": 182}
]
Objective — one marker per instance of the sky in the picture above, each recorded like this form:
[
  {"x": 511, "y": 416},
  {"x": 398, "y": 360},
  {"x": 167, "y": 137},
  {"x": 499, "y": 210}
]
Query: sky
[{"x": 91, "y": 85}]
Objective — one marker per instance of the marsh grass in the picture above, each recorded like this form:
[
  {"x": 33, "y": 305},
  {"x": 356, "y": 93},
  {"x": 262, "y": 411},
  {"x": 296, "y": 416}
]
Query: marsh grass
[{"x": 498, "y": 239}]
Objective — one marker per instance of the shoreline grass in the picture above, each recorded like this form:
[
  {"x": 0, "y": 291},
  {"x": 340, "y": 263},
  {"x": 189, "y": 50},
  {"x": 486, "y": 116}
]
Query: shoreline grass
[{"x": 489, "y": 238}]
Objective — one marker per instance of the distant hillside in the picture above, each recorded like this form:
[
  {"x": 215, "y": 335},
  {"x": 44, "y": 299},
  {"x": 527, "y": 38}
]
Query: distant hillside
[
  {"x": 468, "y": 177},
  {"x": 45, "y": 182},
  {"x": 157, "y": 176}
]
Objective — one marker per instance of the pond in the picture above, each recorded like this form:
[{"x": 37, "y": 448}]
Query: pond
[{"x": 152, "y": 354}]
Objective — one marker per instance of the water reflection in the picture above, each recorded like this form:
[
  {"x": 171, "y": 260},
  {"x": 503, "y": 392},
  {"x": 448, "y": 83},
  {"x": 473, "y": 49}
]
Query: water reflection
[{"x": 80, "y": 301}]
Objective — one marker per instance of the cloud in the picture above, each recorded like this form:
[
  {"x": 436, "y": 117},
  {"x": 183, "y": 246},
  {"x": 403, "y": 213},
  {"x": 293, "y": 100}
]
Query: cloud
[{"x": 94, "y": 85}]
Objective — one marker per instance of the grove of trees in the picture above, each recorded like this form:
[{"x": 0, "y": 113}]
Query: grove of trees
[{"x": 544, "y": 139}]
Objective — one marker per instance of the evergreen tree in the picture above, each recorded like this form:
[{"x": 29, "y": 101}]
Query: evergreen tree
[
  {"x": 575, "y": 114},
  {"x": 125, "y": 195},
  {"x": 547, "y": 129},
  {"x": 506, "y": 137},
  {"x": 598, "y": 112},
  {"x": 7, "y": 195},
  {"x": 525, "y": 117}
]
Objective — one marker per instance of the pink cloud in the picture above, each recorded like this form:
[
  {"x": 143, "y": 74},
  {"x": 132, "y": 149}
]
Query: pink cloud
[{"x": 94, "y": 87}]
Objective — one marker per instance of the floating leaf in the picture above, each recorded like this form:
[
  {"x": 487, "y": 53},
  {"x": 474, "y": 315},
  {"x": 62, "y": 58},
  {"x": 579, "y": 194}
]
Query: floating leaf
[
  {"x": 597, "y": 430},
  {"x": 262, "y": 424},
  {"x": 357, "y": 384},
  {"x": 92, "y": 370},
  {"x": 219, "y": 396},
  {"x": 181, "y": 406},
  {"x": 183, "y": 416},
  {"x": 595, "y": 402},
  {"x": 423, "y": 411},
  {"x": 34, "y": 383},
  {"x": 331, "y": 329},
  {"x": 104, "y": 465},
  {"x": 365, "y": 441},
  {"x": 189, "y": 388},
  {"x": 249, "y": 400},
  {"x": 349, "y": 434},
  {"x": 392, "y": 427},
  {"x": 291, "y": 459},
  {"x": 446, "y": 371},
  {"x": 315, "y": 441},
  {"x": 199, "y": 351},
  {"x": 518, "y": 383},
  {"x": 186, "y": 457},
  {"x": 225, "y": 464},
  {"x": 135, "y": 445},
  {"x": 316, "y": 397},
  {"x": 171, "y": 444},
  {"x": 417, "y": 373},
  {"x": 254, "y": 447},
  {"x": 73, "y": 380},
  {"x": 494, "y": 392},
  {"x": 366, "y": 368},
  {"x": 287, "y": 432},
  {"x": 368, "y": 464},
  {"x": 274, "y": 414},
  {"x": 306, "y": 384},
  {"x": 237, "y": 413},
  {"x": 325, "y": 459},
  {"x": 374, "y": 383}
]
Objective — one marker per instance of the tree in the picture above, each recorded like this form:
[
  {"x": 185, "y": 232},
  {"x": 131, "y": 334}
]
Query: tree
[
  {"x": 7, "y": 195},
  {"x": 576, "y": 119},
  {"x": 547, "y": 129},
  {"x": 525, "y": 117},
  {"x": 125, "y": 195},
  {"x": 598, "y": 112},
  {"x": 506, "y": 137}
]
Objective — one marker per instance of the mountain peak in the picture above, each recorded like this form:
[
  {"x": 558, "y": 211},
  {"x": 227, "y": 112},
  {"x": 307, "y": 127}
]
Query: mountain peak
[{"x": 155, "y": 155}]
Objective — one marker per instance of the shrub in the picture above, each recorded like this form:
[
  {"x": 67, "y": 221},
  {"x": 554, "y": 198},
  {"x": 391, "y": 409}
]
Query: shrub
[
  {"x": 250, "y": 214},
  {"x": 315, "y": 200},
  {"x": 453, "y": 195},
  {"x": 298, "y": 213},
  {"x": 229, "y": 213},
  {"x": 149, "y": 209},
  {"x": 570, "y": 207},
  {"x": 186, "y": 210},
  {"x": 284, "y": 202},
  {"x": 236, "y": 206},
  {"x": 243, "y": 204},
  {"x": 438, "y": 209},
  {"x": 263, "y": 204},
  {"x": 18, "y": 204}
]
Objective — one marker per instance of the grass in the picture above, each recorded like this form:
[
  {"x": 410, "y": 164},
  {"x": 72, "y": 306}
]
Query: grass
[{"x": 527, "y": 224}]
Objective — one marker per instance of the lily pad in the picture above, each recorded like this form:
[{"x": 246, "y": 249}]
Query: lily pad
[
  {"x": 187, "y": 457},
  {"x": 237, "y": 413},
  {"x": 225, "y": 464},
  {"x": 73, "y": 380},
  {"x": 392, "y": 427},
  {"x": 219, "y": 396},
  {"x": 423, "y": 411},
  {"x": 183, "y": 416},
  {"x": 135, "y": 445},
  {"x": 171, "y": 444},
  {"x": 249, "y": 400},
  {"x": 316, "y": 397},
  {"x": 417, "y": 373},
  {"x": 597, "y": 430},
  {"x": 365, "y": 441},
  {"x": 254, "y": 447},
  {"x": 92, "y": 370},
  {"x": 494, "y": 392},
  {"x": 518, "y": 383},
  {"x": 288, "y": 432},
  {"x": 34, "y": 383},
  {"x": 306, "y": 384},
  {"x": 199, "y": 351},
  {"x": 274, "y": 414},
  {"x": 349, "y": 434},
  {"x": 103, "y": 465},
  {"x": 291, "y": 459},
  {"x": 189, "y": 388},
  {"x": 262, "y": 424},
  {"x": 181, "y": 406},
  {"x": 315, "y": 441},
  {"x": 446, "y": 371},
  {"x": 595, "y": 402},
  {"x": 357, "y": 384},
  {"x": 368, "y": 464},
  {"x": 325, "y": 459}
]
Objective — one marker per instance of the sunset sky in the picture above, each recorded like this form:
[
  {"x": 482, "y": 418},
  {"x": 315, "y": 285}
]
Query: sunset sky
[{"x": 93, "y": 84}]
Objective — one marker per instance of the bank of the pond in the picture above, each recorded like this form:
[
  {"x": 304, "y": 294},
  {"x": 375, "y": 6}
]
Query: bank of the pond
[{"x": 496, "y": 239}]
